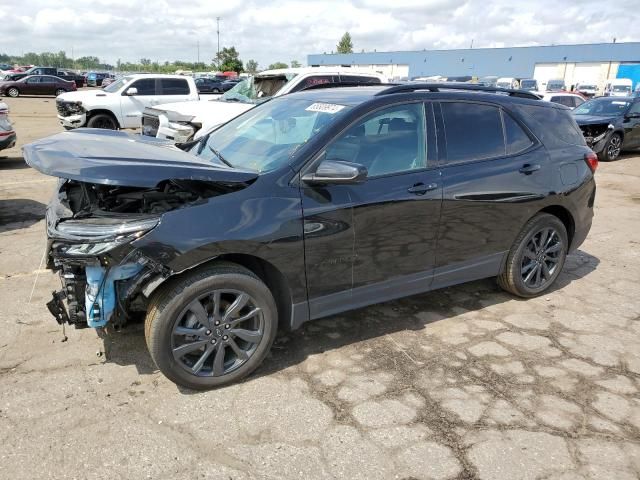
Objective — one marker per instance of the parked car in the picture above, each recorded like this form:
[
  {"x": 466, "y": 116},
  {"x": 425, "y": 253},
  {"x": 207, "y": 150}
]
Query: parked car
[
  {"x": 229, "y": 84},
  {"x": 568, "y": 99},
  {"x": 120, "y": 105},
  {"x": 37, "y": 85},
  {"x": 275, "y": 218},
  {"x": 95, "y": 79},
  {"x": 209, "y": 85},
  {"x": 488, "y": 81},
  {"x": 7, "y": 133},
  {"x": 587, "y": 89},
  {"x": 52, "y": 71},
  {"x": 107, "y": 81},
  {"x": 556, "y": 86},
  {"x": 183, "y": 122},
  {"x": 619, "y": 87},
  {"x": 508, "y": 82},
  {"x": 529, "y": 84},
  {"x": 610, "y": 124}
]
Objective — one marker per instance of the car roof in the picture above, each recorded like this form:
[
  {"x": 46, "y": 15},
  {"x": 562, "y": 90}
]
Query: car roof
[{"x": 319, "y": 70}]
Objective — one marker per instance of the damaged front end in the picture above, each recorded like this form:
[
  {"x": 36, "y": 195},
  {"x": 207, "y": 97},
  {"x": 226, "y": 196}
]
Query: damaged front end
[
  {"x": 596, "y": 135},
  {"x": 71, "y": 114},
  {"x": 104, "y": 205}
]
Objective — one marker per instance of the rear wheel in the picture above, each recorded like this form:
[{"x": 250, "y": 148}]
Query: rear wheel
[
  {"x": 211, "y": 327},
  {"x": 536, "y": 257},
  {"x": 13, "y": 92},
  {"x": 215, "y": 90},
  {"x": 102, "y": 120},
  {"x": 613, "y": 148},
  {"x": 60, "y": 91}
]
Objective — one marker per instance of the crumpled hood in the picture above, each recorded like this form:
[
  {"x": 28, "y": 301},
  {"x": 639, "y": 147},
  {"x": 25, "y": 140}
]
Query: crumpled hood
[
  {"x": 118, "y": 158},
  {"x": 203, "y": 110},
  {"x": 593, "y": 119}
]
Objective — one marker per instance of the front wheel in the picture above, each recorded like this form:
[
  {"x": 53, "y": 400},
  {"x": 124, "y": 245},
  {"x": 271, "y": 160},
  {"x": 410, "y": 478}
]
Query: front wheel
[
  {"x": 60, "y": 91},
  {"x": 211, "y": 327},
  {"x": 612, "y": 149},
  {"x": 536, "y": 257},
  {"x": 215, "y": 90},
  {"x": 13, "y": 92},
  {"x": 102, "y": 120}
]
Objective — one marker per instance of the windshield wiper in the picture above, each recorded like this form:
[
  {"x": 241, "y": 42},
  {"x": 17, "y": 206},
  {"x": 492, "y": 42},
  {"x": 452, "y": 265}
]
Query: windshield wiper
[{"x": 219, "y": 155}]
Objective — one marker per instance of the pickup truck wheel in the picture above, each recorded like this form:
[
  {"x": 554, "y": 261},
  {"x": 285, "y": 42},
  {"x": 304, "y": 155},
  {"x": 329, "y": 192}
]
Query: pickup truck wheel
[
  {"x": 13, "y": 92},
  {"x": 60, "y": 91},
  {"x": 536, "y": 257},
  {"x": 211, "y": 327},
  {"x": 102, "y": 120}
]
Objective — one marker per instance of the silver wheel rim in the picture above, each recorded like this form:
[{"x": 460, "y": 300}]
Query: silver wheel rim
[
  {"x": 614, "y": 147},
  {"x": 13, "y": 92},
  {"x": 217, "y": 333}
]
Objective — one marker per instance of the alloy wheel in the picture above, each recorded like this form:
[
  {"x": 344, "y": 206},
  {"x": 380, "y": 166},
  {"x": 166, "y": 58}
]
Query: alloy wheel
[
  {"x": 541, "y": 257},
  {"x": 614, "y": 147},
  {"x": 217, "y": 333},
  {"x": 13, "y": 92},
  {"x": 60, "y": 91}
]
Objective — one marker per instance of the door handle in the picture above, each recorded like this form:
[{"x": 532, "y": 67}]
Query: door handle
[
  {"x": 528, "y": 168},
  {"x": 421, "y": 188}
]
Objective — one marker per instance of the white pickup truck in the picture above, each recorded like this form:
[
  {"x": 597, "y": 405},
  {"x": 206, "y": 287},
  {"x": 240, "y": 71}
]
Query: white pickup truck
[
  {"x": 186, "y": 121},
  {"x": 120, "y": 105}
]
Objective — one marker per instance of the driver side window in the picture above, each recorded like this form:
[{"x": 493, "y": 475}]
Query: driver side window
[
  {"x": 385, "y": 142},
  {"x": 145, "y": 86}
]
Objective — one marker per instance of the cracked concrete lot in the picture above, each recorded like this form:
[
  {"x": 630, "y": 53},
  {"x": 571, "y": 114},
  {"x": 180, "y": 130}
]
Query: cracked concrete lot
[{"x": 466, "y": 382}]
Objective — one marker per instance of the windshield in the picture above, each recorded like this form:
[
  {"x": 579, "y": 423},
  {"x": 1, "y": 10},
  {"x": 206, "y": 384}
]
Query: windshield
[
  {"x": 257, "y": 89},
  {"x": 602, "y": 107},
  {"x": 504, "y": 84},
  {"x": 555, "y": 85},
  {"x": 621, "y": 88},
  {"x": 528, "y": 84},
  {"x": 117, "y": 85},
  {"x": 265, "y": 137},
  {"x": 587, "y": 87}
]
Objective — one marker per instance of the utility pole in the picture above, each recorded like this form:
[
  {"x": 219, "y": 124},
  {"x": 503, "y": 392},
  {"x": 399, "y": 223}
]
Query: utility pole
[
  {"x": 198, "y": 51},
  {"x": 218, "y": 31}
]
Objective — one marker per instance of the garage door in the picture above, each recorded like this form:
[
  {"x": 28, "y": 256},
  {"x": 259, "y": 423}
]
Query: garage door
[
  {"x": 589, "y": 73},
  {"x": 543, "y": 72}
]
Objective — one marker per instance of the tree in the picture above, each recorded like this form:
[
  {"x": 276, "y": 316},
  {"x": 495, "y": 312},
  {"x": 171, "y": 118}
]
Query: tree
[
  {"x": 345, "y": 45},
  {"x": 275, "y": 66},
  {"x": 251, "y": 66},
  {"x": 295, "y": 64},
  {"x": 228, "y": 60}
]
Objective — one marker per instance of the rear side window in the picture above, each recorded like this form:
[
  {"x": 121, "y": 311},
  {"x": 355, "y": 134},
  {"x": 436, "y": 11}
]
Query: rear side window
[
  {"x": 516, "y": 138},
  {"x": 563, "y": 100},
  {"x": 554, "y": 126},
  {"x": 174, "y": 86},
  {"x": 473, "y": 131}
]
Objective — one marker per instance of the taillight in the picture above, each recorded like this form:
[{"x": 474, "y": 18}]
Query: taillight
[{"x": 592, "y": 160}]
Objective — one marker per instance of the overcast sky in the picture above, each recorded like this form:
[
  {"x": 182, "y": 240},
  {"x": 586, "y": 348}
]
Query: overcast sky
[{"x": 285, "y": 30}]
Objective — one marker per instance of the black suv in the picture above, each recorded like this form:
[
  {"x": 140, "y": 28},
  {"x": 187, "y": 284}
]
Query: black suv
[
  {"x": 610, "y": 125},
  {"x": 308, "y": 205}
]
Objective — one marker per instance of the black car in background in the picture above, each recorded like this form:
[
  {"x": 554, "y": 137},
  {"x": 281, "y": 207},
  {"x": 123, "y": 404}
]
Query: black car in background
[
  {"x": 308, "y": 205},
  {"x": 213, "y": 85},
  {"x": 68, "y": 75},
  {"x": 610, "y": 124}
]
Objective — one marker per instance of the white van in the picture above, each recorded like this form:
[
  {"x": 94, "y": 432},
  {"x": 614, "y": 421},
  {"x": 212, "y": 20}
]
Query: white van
[
  {"x": 618, "y": 87},
  {"x": 508, "y": 82}
]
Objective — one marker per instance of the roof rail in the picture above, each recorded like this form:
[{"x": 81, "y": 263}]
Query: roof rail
[
  {"x": 436, "y": 87},
  {"x": 345, "y": 84}
]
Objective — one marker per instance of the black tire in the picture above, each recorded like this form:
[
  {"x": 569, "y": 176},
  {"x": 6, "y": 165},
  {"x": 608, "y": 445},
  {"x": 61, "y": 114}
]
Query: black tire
[
  {"x": 612, "y": 149},
  {"x": 525, "y": 260},
  {"x": 13, "y": 92},
  {"x": 102, "y": 120},
  {"x": 171, "y": 313},
  {"x": 215, "y": 90},
  {"x": 60, "y": 91}
]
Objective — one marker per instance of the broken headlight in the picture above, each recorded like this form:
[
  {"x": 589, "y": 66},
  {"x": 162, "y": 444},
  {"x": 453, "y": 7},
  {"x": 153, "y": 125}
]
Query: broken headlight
[{"x": 98, "y": 238}]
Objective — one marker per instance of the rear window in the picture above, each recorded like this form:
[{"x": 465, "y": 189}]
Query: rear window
[
  {"x": 314, "y": 80},
  {"x": 473, "y": 131},
  {"x": 554, "y": 126},
  {"x": 359, "y": 79},
  {"x": 174, "y": 86}
]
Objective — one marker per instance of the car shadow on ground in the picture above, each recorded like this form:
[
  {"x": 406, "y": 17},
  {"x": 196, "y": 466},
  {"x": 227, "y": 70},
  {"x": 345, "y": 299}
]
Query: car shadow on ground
[
  {"x": 128, "y": 347},
  {"x": 18, "y": 213},
  {"x": 12, "y": 163}
]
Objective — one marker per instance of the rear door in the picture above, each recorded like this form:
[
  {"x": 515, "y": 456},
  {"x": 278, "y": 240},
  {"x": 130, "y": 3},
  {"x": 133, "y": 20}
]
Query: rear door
[
  {"x": 132, "y": 106},
  {"x": 173, "y": 90},
  {"x": 494, "y": 176}
]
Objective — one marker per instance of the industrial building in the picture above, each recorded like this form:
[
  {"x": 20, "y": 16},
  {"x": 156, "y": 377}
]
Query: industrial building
[{"x": 587, "y": 63}]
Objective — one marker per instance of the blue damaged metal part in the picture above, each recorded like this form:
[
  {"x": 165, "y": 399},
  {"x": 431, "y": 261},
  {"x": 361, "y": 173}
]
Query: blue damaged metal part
[{"x": 100, "y": 294}]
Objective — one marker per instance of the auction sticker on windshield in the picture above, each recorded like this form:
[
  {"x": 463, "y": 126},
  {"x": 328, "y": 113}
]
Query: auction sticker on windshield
[{"x": 324, "y": 107}]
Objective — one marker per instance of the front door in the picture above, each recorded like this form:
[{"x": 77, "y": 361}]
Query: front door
[
  {"x": 632, "y": 126},
  {"x": 375, "y": 241},
  {"x": 133, "y": 105}
]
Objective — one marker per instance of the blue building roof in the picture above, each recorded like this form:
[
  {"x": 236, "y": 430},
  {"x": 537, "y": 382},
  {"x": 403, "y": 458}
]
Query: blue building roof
[{"x": 516, "y": 62}]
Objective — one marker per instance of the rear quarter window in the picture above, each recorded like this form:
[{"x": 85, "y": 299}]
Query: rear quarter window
[{"x": 555, "y": 127}]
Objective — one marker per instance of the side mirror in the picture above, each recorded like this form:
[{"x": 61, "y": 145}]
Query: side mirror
[
  {"x": 131, "y": 91},
  {"x": 336, "y": 172}
]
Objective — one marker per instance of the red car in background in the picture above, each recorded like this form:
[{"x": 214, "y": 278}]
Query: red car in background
[{"x": 37, "y": 85}]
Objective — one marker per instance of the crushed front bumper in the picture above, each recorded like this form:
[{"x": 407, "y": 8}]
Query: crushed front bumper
[{"x": 73, "y": 121}]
